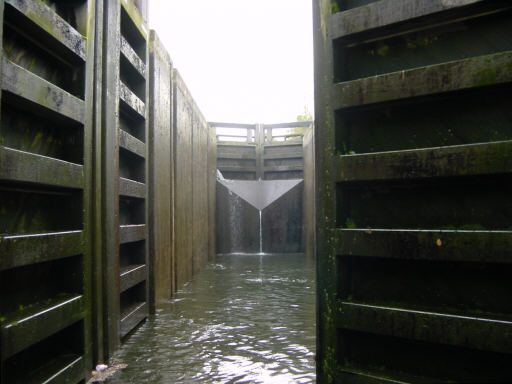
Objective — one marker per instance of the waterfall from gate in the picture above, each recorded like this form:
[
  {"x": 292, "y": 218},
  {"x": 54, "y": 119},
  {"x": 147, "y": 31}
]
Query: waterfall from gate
[{"x": 259, "y": 194}]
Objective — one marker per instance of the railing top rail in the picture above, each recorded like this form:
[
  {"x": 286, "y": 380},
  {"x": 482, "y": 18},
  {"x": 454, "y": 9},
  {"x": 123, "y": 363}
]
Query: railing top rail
[
  {"x": 216, "y": 124},
  {"x": 295, "y": 124}
]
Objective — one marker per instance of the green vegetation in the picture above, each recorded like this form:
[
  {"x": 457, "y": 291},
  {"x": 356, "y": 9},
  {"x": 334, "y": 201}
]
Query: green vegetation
[
  {"x": 306, "y": 115},
  {"x": 350, "y": 223}
]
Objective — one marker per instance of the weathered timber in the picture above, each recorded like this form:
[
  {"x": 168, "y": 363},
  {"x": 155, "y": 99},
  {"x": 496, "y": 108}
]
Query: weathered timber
[
  {"x": 125, "y": 114},
  {"x": 388, "y": 12},
  {"x": 48, "y": 22},
  {"x": 47, "y": 83},
  {"x": 212, "y": 194},
  {"x": 131, "y": 100},
  {"x": 137, "y": 19},
  {"x": 236, "y": 156},
  {"x": 132, "y": 57},
  {"x": 227, "y": 168},
  {"x": 18, "y": 251},
  {"x": 160, "y": 174},
  {"x": 132, "y": 233},
  {"x": 215, "y": 124},
  {"x": 295, "y": 124},
  {"x": 283, "y": 222},
  {"x": 285, "y": 144},
  {"x": 297, "y": 155},
  {"x": 412, "y": 173},
  {"x": 131, "y": 317},
  {"x": 132, "y": 275},
  {"x": 112, "y": 233},
  {"x": 237, "y": 225},
  {"x": 460, "y": 160},
  {"x": 309, "y": 191},
  {"x": 433, "y": 245},
  {"x": 25, "y": 84},
  {"x": 251, "y": 158},
  {"x": 461, "y": 331},
  {"x": 183, "y": 120},
  {"x": 352, "y": 375},
  {"x": 458, "y": 75},
  {"x": 132, "y": 144},
  {"x": 283, "y": 168},
  {"x": 132, "y": 188},
  {"x": 200, "y": 192},
  {"x": 66, "y": 368},
  {"x": 28, "y": 167},
  {"x": 20, "y": 330}
]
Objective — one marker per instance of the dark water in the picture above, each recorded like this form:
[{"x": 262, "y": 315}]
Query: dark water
[{"x": 243, "y": 319}]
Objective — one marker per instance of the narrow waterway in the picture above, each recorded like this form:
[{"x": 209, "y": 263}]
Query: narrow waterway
[{"x": 243, "y": 319}]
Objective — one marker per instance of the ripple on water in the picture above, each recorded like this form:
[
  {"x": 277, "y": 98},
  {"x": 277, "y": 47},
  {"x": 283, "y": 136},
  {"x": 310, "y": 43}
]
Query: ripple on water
[{"x": 256, "y": 325}]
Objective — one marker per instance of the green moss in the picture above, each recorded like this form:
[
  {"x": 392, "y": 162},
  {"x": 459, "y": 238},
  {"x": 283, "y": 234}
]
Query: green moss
[
  {"x": 383, "y": 51},
  {"x": 486, "y": 76},
  {"x": 349, "y": 223},
  {"x": 472, "y": 227},
  {"x": 334, "y": 7}
]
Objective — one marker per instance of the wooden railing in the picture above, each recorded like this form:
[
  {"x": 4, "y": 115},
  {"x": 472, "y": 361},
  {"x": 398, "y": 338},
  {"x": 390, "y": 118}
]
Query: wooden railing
[{"x": 260, "y": 151}]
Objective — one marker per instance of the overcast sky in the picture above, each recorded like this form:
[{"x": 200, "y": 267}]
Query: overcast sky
[{"x": 243, "y": 61}]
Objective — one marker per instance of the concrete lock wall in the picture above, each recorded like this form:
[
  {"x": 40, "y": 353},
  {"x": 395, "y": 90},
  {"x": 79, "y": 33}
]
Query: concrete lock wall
[
  {"x": 413, "y": 157},
  {"x": 91, "y": 194}
]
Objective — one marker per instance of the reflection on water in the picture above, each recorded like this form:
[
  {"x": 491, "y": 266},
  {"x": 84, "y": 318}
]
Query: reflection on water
[{"x": 244, "y": 319}]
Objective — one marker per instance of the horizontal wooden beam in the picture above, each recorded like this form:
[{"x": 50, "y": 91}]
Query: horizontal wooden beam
[
  {"x": 236, "y": 156},
  {"x": 136, "y": 18},
  {"x": 215, "y": 124},
  {"x": 458, "y": 75},
  {"x": 132, "y": 57},
  {"x": 351, "y": 375},
  {"x": 433, "y": 245},
  {"x": 459, "y": 160},
  {"x": 48, "y": 22},
  {"x": 131, "y": 317},
  {"x": 236, "y": 144},
  {"x": 25, "y": 84},
  {"x": 67, "y": 368},
  {"x": 284, "y": 168},
  {"x": 130, "y": 188},
  {"x": 295, "y": 124},
  {"x": 276, "y": 156},
  {"x": 132, "y": 233},
  {"x": 388, "y": 12},
  {"x": 24, "y": 328},
  {"x": 31, "y": 168},
  {"x": 132, "y": 275},
  {"x": 131, "y": 100},
  {"x": 234, "y": 168},
  {"x": 294, "y": 143},
  {"x": 462, "y": 331},
  {"x": 21, "y": 250},
  {"x": 132, "y": 144}
]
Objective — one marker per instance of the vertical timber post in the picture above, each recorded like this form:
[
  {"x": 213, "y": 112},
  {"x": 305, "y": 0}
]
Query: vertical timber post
[
  {"x": 260, "y": 140},
  {"x": 413, "y": 161},
  {"x": 159, "y": 174},
  {"x": 46, "y": 181},
  {"x": 325, "y": 194},
  {"x": 125, "y": 172}
]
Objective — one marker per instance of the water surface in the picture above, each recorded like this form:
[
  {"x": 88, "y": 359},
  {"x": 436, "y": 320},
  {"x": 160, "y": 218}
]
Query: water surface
[{"x": 243, "y": 319}]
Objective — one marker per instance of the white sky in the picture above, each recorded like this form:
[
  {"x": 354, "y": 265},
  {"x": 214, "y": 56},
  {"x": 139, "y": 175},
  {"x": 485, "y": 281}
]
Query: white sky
[{"x": 244, "y": 61}]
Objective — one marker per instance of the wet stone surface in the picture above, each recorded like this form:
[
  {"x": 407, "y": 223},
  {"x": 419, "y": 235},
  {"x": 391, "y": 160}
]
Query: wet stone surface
[{"x": 243, "y": 319}]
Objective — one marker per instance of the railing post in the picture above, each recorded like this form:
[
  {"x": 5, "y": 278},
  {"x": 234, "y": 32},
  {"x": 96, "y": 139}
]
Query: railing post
[{"x": 260, "y": 140}]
